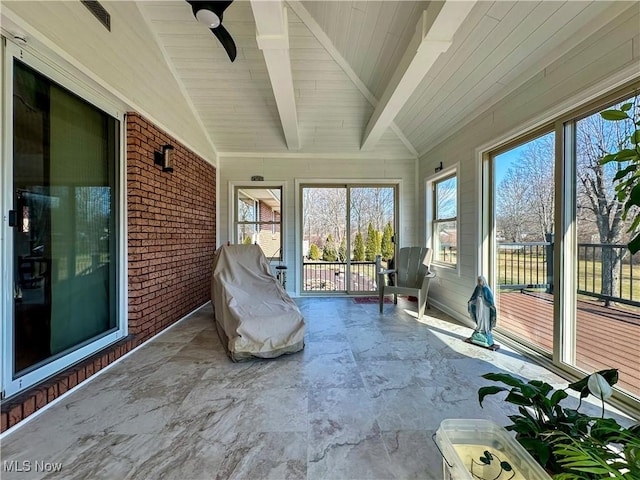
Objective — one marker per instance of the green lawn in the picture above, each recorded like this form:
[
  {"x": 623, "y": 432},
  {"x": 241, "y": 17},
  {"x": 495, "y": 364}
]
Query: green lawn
[{"x": 533, "y": 268}]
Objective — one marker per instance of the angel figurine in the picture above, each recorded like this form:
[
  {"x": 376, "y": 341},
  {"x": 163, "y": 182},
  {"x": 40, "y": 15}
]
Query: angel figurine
[{"x": 482, "y": 309}]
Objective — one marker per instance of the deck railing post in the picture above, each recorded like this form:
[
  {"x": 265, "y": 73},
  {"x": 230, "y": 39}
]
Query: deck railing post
[{"x": 548, "y": 237}]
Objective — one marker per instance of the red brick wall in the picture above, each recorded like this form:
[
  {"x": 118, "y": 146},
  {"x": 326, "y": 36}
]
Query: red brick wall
[
  {"x": 171, "y": 240},
  {"x": 171, "y": 222},
  {"x": 265, "y": 215}
]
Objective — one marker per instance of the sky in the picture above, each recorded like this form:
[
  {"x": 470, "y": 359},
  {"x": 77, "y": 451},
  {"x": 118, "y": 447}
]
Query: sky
[{"x": 506, "y": 160}]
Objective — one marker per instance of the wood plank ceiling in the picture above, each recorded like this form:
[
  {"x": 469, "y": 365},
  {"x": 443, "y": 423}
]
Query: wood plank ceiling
[{"x": 344, "y": 54}]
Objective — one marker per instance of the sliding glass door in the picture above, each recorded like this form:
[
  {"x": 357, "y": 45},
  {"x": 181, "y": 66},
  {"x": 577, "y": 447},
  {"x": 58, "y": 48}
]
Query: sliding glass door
[
  {"x": 523, "y": 193},
  {"x": 344, "y": 228},
  {"x": 607, "y": 293},
  {"x": 63, "y": 223},
  {"x": 371, "y": 233},
  {"x": 566, "y": 283}
]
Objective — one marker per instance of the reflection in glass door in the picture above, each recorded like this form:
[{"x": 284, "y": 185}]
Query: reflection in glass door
[
  {"x": 258, "y": 218},
  {"x": 63, "y": 219},
  {"x": 344, "y": 228}
]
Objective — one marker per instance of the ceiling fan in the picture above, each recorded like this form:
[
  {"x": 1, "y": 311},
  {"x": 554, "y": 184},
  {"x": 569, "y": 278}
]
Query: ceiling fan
[{"x": 210, "y": 13}]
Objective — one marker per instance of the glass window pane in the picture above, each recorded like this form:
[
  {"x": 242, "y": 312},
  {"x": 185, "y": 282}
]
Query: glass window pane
[
  {"x": 261, "y": 208},
  {"x": 247, "y": 234},
  {"x": 246, "y": 208},
  {"x": 64, "y": 184},
  {"x": 445, "y": 238},
  {"x": 445, "y": 225},
  {"x": 608, "y": 288},
  {"x": 324, "y": 216},
  {"x": 270, "y": 248},
  {"x": 371, "y": 220},
  {"x": 524, "y": 208},
  {"x": 446, "y": 198}
]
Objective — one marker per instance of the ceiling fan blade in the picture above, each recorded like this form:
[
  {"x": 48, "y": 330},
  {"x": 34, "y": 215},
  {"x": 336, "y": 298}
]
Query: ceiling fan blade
[
  {"x": 225, "y": 39},
  {"x": 210, "y": 13}
]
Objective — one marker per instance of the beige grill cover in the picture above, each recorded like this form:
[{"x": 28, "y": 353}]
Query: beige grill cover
[{"x": 255, "y": 316}]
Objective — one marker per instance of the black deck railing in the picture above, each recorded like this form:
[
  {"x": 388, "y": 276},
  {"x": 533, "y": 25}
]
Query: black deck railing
[
  {"x": 530, "y": 265},
  {"x": 521, "y": 265},
  {"x": 331, "y": 276},
  {"x": 525, "y": 265},
  {"x": 596, "y": 277}
]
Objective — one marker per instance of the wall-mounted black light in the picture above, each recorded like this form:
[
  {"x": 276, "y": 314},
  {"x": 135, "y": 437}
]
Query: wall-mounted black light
[
  {"x": 438, "y": 168},
  {"x": 165, "y": 158}
]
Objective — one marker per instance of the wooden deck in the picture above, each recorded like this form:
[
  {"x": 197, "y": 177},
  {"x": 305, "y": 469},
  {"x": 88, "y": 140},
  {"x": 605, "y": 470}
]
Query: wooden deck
[{"x": 605, "y": 337}]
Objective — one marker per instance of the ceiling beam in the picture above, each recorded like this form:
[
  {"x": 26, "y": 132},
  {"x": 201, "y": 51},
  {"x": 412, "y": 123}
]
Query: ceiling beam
[
  {"x": 433, "y": 36},
  {"x": 324, "y": 40},
  {"x": 273, "y": 39}
]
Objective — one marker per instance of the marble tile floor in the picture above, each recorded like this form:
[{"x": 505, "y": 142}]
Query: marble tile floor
[{"x": 360, "y": 402}]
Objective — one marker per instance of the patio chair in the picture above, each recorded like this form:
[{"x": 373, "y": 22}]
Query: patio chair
[{"x": 410, "y": 276}]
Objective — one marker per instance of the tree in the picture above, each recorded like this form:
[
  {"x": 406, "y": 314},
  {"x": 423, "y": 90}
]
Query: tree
[
  {"x": 371, "y": 246},
  {"x": 380, "y": 206},
  {"x": 314, "y": 252},
  {"x": 342, "y": 250},
  {"x": 526, "y": 195},
  {"x": 539, "y": 161},
  {"x": 358, "y": 248},
  {"x": 525, "y": 205},
  {"x": 324, "y": 212},
  {"x": 358, "y": 207},
  {"x": 378, "y": 244},
  {"x": 246, "y": 209},
  {"x": 611, "y": 131},
  {"x": 247, "y": 240},
  {"x": 387, "y": 243},
  {"x": 330, "y": 252},
  {"x": 447, "y": 198},
  {"x": 370, "y": 204},
  {"x": 627, "y": 156},
  {"x": 513, "y": 205}
]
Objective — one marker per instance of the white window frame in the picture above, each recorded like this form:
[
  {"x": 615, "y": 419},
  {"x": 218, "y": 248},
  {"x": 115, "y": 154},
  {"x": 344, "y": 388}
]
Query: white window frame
[
  {"x": 233, "y": 224},
  {"x": 430, "y": 184},
  {"x": 563, "y": 118},
  {"x": 397, "y": 183}
]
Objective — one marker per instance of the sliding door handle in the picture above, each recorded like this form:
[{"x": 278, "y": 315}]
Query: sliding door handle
[{"x": 13, "y": 218}]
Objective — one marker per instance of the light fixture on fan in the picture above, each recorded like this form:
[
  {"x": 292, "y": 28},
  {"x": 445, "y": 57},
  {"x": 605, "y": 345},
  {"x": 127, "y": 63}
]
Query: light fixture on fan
[
  {"x": 210, "y": 14},
  {"x": 208, "y": 17}
]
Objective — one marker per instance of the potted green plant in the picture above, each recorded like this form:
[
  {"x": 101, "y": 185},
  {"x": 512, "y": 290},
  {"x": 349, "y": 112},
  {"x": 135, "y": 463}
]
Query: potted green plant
[
  {"x": 569, "y": 444},
  {"x": 627, "y": 178}
]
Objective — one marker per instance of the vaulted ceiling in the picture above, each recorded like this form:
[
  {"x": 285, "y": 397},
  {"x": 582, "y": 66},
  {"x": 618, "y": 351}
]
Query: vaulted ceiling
[
  {"x": 382, "y": 78},
  {"x": 355, "y": 62}
]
